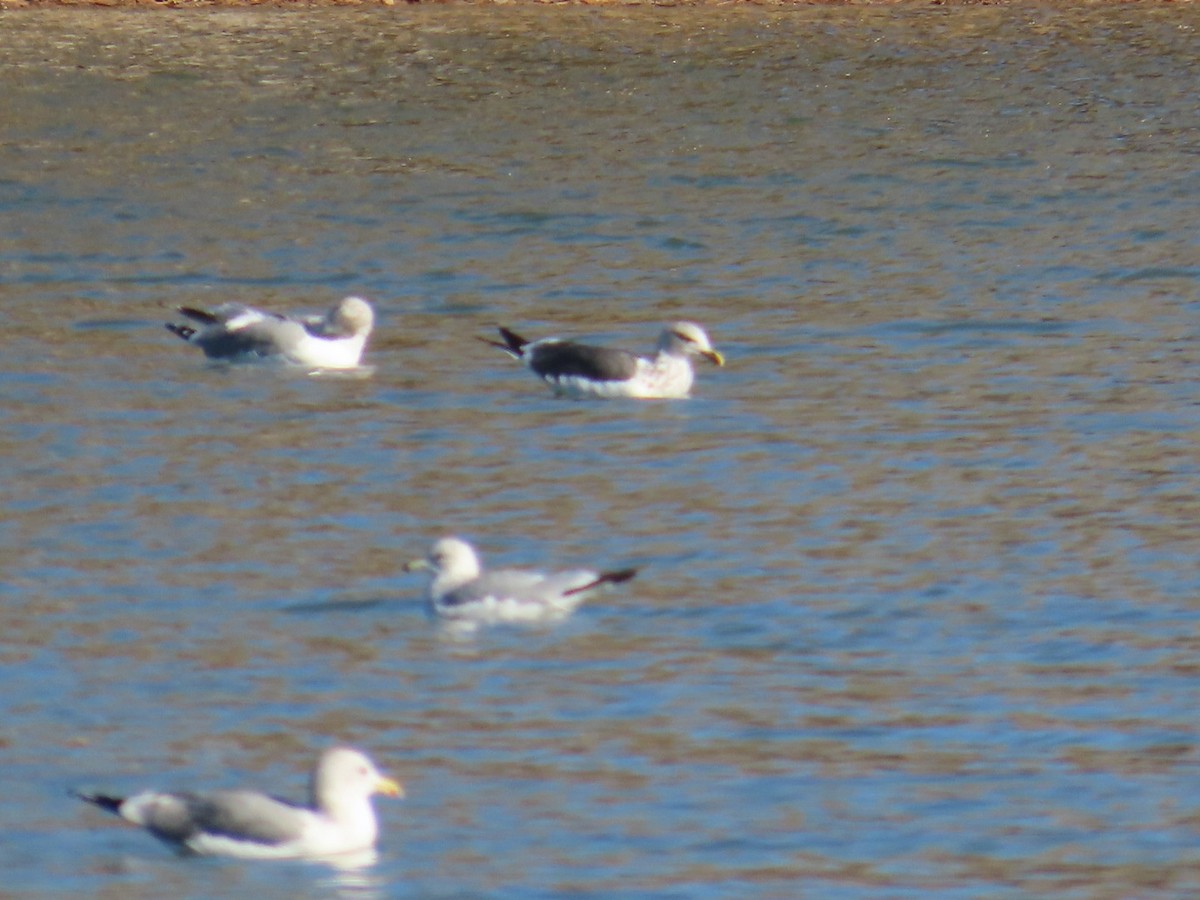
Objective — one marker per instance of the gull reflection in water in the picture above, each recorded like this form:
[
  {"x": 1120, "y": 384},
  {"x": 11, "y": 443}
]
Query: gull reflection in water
[{"x": 351, "y": 876}]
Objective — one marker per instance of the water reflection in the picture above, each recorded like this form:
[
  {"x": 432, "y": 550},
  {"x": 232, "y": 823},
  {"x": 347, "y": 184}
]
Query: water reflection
[{"x": 352, "y": 876}]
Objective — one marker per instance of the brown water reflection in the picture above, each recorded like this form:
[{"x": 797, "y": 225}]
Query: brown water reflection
[{"x": 916, "y": 615}]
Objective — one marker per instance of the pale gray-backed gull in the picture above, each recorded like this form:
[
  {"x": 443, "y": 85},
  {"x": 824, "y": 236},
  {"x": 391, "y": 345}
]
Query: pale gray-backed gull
[
  {"x": 246, "y": 824},
  {"x": 461, "y": 591},
  {"x": 234, "y": 332},
  {"x": 584, "y": 370}
]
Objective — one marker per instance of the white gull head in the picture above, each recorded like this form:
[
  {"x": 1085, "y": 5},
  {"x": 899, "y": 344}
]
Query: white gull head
[{"x": 685, "y": 339}]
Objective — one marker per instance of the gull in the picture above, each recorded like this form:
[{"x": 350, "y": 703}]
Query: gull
[
  {"x": 246, "y": 824},
  {"x": 583, "y": 370},
  {"x": 233, "y": 332},
  {"x": 461, "y": 591}
]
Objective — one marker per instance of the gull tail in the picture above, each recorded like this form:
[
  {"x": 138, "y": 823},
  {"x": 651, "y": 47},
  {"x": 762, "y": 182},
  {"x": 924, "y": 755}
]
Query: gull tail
[
  {"x": 618, "y": 576},
  {"x": 187, "y": 332},
  {"x": 104, "y": 801},
  {"x": 514, "y": 345},
  {"x": 184, "y": 331}
]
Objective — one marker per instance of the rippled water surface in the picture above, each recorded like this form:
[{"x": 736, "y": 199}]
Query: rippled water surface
[{"x": 918, "y": 607}]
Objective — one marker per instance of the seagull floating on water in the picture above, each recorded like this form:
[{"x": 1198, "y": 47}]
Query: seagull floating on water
[
  {"x": 461, "y": 591},
  {"x": 584, "y": 370},
  {"x": 234, "y": 332},
  {"x": 249, "y": 825}
]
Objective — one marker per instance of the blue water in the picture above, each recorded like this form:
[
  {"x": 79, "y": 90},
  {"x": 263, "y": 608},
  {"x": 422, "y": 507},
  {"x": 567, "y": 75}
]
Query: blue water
[{"x": 916, "y": 613}]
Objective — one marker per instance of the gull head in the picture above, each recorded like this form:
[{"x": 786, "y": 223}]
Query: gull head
[
  {"x": 352, "y": 316},
  {"x": 688, "y": 339},
  {"x": 451, "y": 559},
  {"x": 343, "y": 775}
]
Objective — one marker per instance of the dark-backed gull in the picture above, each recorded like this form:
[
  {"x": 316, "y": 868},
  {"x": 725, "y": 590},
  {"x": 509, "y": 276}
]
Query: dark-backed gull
[
  {"x": 584, "y": 370},
  {"x": 461, "y": 591},
  {"x": 234, "y": 332},
  {"x": 250, "y": 825}
]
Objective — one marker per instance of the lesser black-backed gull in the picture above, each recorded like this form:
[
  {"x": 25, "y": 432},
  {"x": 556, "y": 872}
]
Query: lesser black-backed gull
[
  {"x": 233, "y": 332},
  {"x": 583, "y": 370}
]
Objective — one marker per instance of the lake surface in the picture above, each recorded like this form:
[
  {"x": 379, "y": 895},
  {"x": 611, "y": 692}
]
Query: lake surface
[{"x": 919, "y": 603}]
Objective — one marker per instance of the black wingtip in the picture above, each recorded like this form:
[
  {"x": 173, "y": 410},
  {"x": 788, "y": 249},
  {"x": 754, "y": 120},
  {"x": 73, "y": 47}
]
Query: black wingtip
[
  {"x": 104, "y": 801},
  {"x": 617, "y": 576},
  {"x": 515, "y": 342},
  {"x": 183, "y": 331},
  {"x": 513, "y": 345},
  {"x": 199, "y": 315},
  {"x": 492, "y": 343}
]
